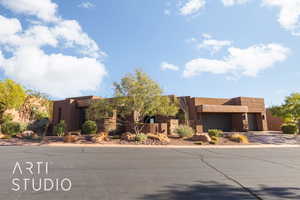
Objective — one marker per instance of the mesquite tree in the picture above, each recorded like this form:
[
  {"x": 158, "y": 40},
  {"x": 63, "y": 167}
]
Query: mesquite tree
[
  {"x": 138, "y": 93},
  {"x": 12, "y": 96},
  {"x": 289, "y": 110}
]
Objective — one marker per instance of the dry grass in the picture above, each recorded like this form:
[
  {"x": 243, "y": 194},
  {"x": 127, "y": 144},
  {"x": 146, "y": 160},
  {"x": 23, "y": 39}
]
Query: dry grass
[{"x": 237, "y": 137}]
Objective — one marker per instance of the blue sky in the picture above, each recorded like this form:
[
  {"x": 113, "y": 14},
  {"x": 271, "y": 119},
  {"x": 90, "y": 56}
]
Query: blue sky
[{"x": 221, "y": 48}]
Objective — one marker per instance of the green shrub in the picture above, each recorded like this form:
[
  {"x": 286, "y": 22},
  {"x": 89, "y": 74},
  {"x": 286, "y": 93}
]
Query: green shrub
[
  {"x": 215, "y": 132},
  {"x": 289, "y": 128},
  {"x": 11, "y": 128},
  {"x": 141, "y": 137},
  {"x": 185, "y": 131},
  {"x": 89, "y": 127},
  {"x": 7, "y": 118},
  {"x": 60, "y": 128},
  {"x": 24, "y": 127}
]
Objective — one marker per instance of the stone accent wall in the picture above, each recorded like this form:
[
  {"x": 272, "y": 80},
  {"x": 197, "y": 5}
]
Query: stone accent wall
[
  {"x": 156, "y": 128},
  {"x": 172, "y": 125},
  {"x": 274, "y": 123},
  {"x": 108, "y": 124}
]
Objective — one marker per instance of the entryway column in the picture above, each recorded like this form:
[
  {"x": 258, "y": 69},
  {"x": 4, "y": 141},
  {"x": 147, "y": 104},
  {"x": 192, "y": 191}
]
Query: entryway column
[{"x": 245, "y": 122}]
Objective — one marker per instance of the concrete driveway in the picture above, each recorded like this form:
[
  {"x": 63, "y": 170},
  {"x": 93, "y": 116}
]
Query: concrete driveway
[
  {"x": 272, "y": 137},
  {"x": 154, "y": 173}
]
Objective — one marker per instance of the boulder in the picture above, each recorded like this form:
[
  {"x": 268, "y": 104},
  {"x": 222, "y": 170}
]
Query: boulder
[
  {"x": 70, "y": 138},
  {"x": 26, "y": 134},
  {"x": 202, "y": 137},
  {"x": 75, "y": 133}
]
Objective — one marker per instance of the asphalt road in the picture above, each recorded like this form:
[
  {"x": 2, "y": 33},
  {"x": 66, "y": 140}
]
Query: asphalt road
[{"x": 150, "y": 173}]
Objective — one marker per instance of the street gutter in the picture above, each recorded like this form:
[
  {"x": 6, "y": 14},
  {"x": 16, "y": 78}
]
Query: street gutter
[{"x": 174, "y": 146}]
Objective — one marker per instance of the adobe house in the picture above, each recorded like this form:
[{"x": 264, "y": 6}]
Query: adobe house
[{"x": 236, "y": 114}]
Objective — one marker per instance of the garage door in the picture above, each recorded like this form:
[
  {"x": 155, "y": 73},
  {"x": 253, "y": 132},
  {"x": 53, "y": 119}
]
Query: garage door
[
  {"x": 217, "y": 121},
  {"x": 252, "y": 122}
]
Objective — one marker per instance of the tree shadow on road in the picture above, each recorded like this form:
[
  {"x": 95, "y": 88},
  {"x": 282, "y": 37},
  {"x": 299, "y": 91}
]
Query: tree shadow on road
[{"x": 215, "y": 190}]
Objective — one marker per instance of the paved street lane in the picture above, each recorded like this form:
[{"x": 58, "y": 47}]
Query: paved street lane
[{"x": 151, "y": 173}]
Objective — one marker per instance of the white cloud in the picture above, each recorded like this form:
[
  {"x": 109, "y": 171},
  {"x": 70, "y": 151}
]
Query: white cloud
[
  {"x": 167, "y": 12},
  {"x": 213, "y": 45},
  {"x": 56, "y": 74},
  {"x": 191, "y": 40},
  {"x": 247, "y": 62},
  {"x": 9, "y": 26},
  {"x": 192, "y": 7},
  {"x": 233, "y": 2},
  {"x": 167, "y": 66},
  {"x": 23, "y": 59},
  {"x": 289, "y": 13},
  {"x": 43, "y": 9},
  {"x": 71, "y": 31},
  {"x": 86, "y": 4},
  {"x": 206, "y": 36}
]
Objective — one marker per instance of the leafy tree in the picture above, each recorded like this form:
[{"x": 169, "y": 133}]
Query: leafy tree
[
  {"x": 43, "y": 109},
  {"x": 100, "y": 109},
  {"x": 289, "y": 110},
  {"x": 12, "y": 96},
  {"x": 137, "y": 93}
]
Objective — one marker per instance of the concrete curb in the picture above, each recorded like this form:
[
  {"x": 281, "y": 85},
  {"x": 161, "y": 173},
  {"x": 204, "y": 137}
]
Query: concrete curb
[{"x": 173, "y": 146}]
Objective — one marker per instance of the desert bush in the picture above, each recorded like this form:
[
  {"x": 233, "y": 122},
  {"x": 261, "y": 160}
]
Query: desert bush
[
  {"x": 215, "y": 139},
  {"x": 141, "y": 137},
  {"x": 6, "y": 137},
  {"x": 239, "y": 138},
  {"x": 199, "y": 143},
  {"x": 185, "y": 131},
  {"x": 289, "y": 128},
  {"x": 11, "y": 128},
  {"x": 215, "y": 133},
  {"x": 89, "y": 127},
  {"x": 60, "y": 128}
]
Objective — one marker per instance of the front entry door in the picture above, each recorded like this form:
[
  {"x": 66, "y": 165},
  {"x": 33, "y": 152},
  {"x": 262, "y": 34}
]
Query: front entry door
[{"x": 252, "y": 122}]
